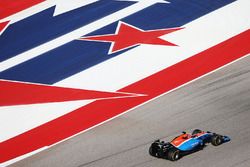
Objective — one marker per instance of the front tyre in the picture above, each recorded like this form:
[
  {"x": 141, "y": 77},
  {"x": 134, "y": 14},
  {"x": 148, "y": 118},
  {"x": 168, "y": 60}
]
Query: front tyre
[
  {"x": 217, "y": 140},
  {"x": 173, "y": 154}
]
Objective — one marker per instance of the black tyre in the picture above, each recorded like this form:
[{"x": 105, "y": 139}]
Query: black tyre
[
  {"x": 173, "y": 154},
  {"x": 196, "y": 131},
  {"x": 153, "y": 151},
  {"x": 217, "y": 140}
]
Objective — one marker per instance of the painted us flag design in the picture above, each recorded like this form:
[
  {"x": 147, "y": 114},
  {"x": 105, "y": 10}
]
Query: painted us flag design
[{"x": 62, "y": 64}]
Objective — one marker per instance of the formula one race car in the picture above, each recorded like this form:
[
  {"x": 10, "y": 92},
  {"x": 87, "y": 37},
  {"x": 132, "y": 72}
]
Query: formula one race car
[{"x": 185, "y": 144}]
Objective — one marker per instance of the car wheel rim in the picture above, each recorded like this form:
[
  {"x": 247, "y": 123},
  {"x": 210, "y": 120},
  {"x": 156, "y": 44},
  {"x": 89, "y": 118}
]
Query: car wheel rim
[
  {"x": 176, "y": 155},
  {"x": 219, "y": 141}
]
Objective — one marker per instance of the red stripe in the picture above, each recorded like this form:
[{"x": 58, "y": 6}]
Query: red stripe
[
  {"x": 10, "y": 7},
  {"x": 16, "y": 93},
  {"x": 3, "y": 25},
  {"x": 155, "y": 85}
]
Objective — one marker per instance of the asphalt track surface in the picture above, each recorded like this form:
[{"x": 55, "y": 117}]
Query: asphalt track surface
[{"x": 218, "y": 102}]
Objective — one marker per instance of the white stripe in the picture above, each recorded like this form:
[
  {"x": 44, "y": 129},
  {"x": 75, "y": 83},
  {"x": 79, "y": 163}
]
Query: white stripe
[
  {"x": 157, "y": 1},
  {"x": 32, "y": 53},
  {"x": 62, "y": 6},
  {"x": 146, "y": 60},
  {"x": 28, "y": 12},
  {"x": 15, "y": 120}
]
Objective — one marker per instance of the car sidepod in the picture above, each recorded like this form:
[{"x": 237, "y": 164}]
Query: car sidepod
[{"x": 190, "y": 144}]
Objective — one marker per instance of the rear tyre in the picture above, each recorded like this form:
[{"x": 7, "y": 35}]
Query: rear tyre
[
  {"x": 153, "y": 151},
  {"x": 173, "y": 154},
  {"x": 217, "y": 140}
]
